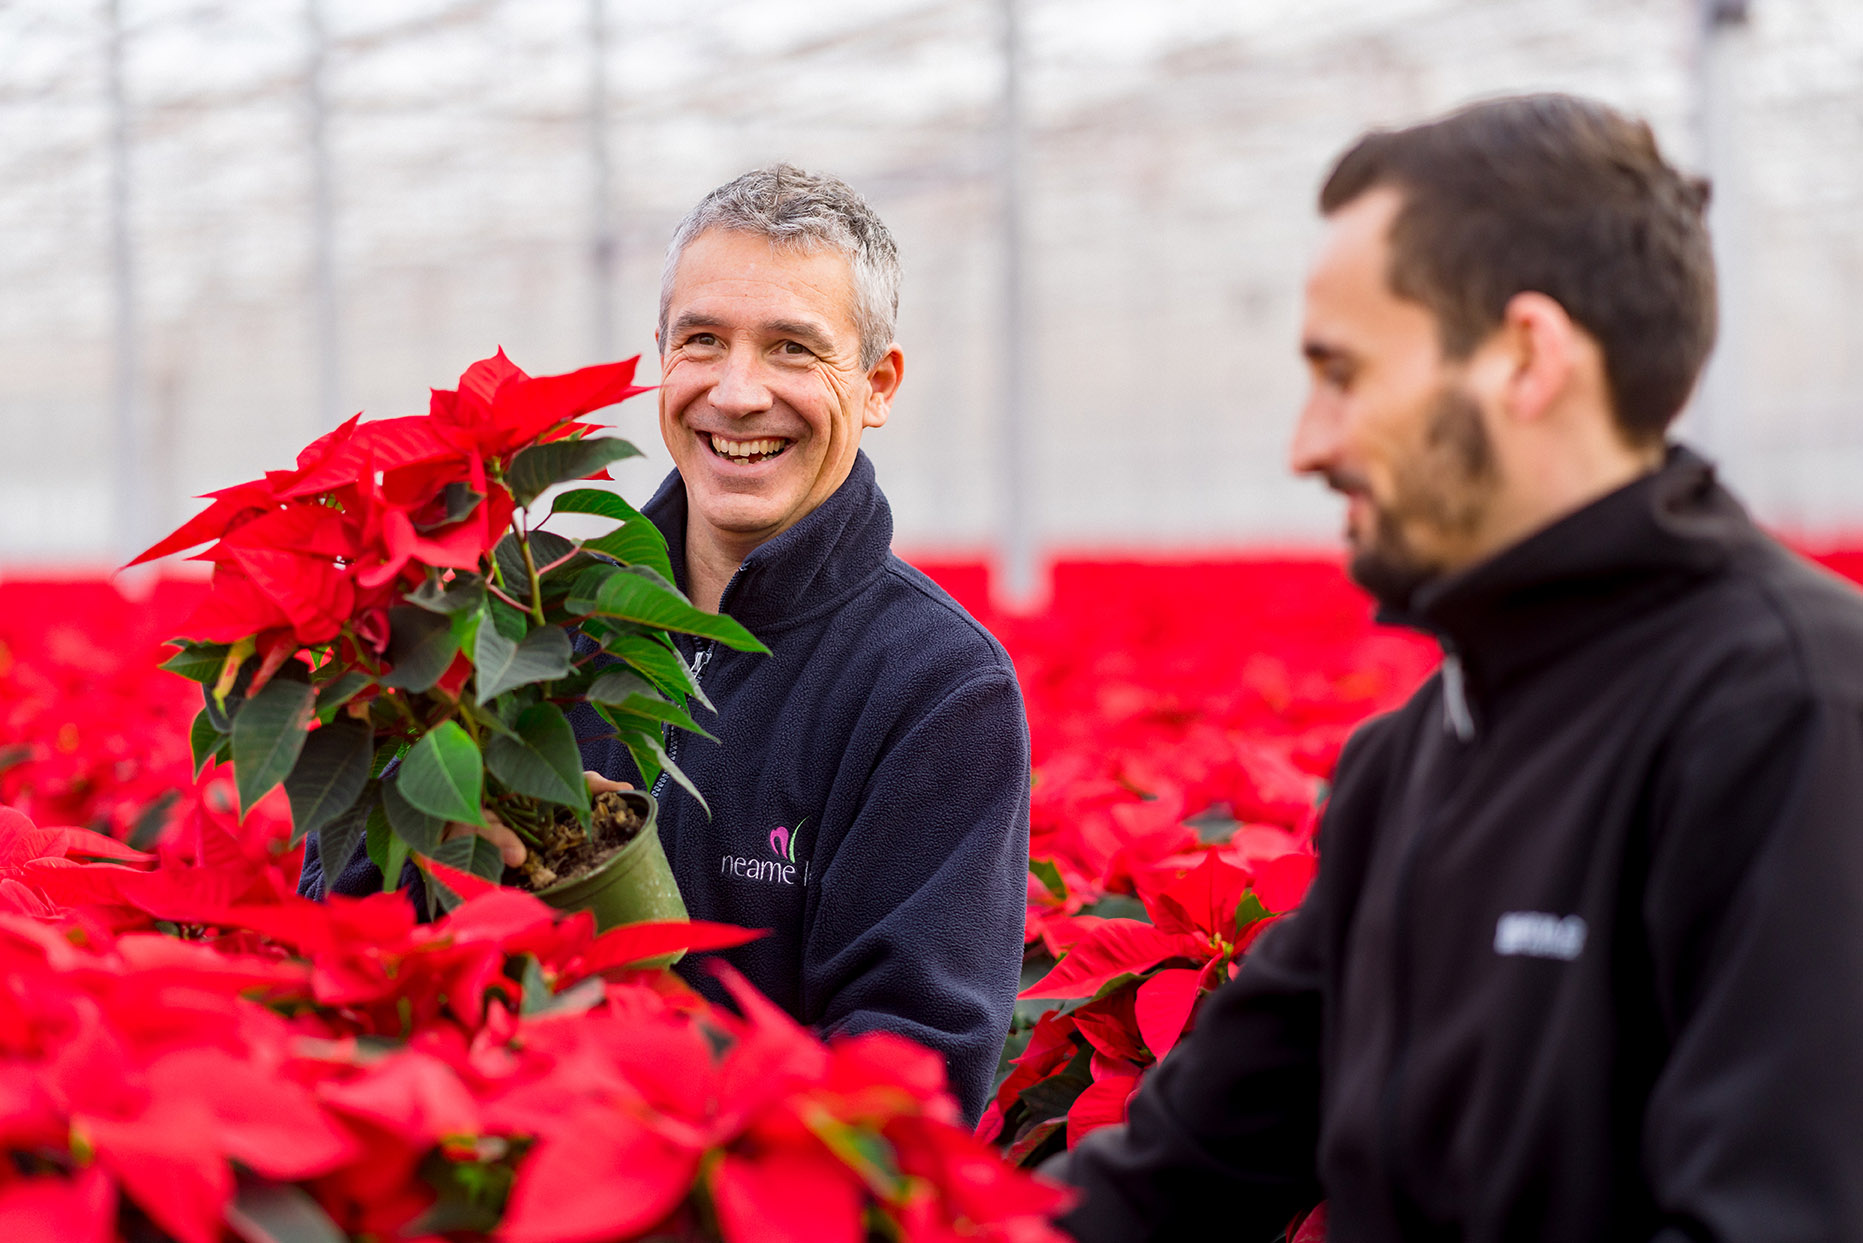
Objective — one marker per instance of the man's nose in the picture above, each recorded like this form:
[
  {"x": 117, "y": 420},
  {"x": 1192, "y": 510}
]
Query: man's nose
[
  {"x": 1316, "y": 439},
  {"x": 740, "y": 388}
]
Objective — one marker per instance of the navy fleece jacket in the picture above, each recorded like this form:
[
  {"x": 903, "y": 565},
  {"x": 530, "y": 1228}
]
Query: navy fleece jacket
[
  {"x": 868, "y": 790},
  {"x": 883, "y": 739}
]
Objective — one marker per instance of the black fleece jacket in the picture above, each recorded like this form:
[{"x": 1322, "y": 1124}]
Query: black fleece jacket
[
  {"x": 869, "y": 789},
  {"x": 1584, "y": 959}
]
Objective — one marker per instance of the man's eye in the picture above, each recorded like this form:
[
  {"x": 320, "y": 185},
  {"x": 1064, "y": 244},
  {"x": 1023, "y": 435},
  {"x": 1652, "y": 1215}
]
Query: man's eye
[
  {"x": 795, "y": 349},
  {"x": 702, "y": 339}
]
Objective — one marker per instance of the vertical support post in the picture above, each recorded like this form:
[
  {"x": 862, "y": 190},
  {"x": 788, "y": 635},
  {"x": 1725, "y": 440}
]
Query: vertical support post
[
  {"x": 603, "y": 245},
  {"x": 129, "y": 517},
  {"x": 324, "y": 326},
  {"x": 1017, "y": 549},
  {"x": 1721, "y": 414}
]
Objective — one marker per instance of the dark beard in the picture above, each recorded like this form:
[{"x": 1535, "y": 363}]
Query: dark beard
[{"x": 1446, "y": 485}]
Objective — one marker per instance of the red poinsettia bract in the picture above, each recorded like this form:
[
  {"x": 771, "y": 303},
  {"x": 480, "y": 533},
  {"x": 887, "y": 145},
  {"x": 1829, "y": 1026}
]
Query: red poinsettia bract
[
  {"x": 187, "y": 1040},
  {"x": 300, "y": 555}
]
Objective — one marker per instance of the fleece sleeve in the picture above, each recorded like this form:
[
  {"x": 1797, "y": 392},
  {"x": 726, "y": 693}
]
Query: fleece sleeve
[
  {"x": 1754, "y": 1130},
  {"x": 917, "y": 925},
  {"x": 1225, "y": 1128}
]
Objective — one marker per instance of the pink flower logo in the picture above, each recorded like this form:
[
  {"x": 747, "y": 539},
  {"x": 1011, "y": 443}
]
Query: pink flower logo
[{"x": 782, "y": 840}]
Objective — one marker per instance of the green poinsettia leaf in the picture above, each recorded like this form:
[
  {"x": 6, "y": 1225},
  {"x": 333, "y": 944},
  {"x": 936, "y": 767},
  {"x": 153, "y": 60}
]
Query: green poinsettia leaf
[
  {"x": 336, "y": 692},
  {"x": 650, "y": 756},
  {"x": 1045, "y": 871},
  {"x": 421, "y": 831},
  {"x": 546, "y": 547},
  {"x": 279, "y": 1213},
  {"x": 616, "y": 685},
  {"x": 269, "y": 733},
  {"x": 198, "y": 662},
  {"x": 336, "y": 841},
  {"x": 444, "y": 775},
  {"x": 582, "y": 592},
  {"x": 388, "y": 850},
  {"x": 541, "y": 655},
  {"x": 206, "y": 741},
  {"x": 635, "y": 542},
  {"x": 458, "y": 501},
  {"x": 463, "y": 594},
  {"x": 541, "y": 467},
  {"x": 470, "y": 853},
  {"x": 329, "y": 775},
  {"x": 650, "y": 712},
  {"x": 544, "y": 762},
  {"x": 640, "y": 596},
  {"x": 654, "y": 658},
  {"x": 1249, "y": 910},
  {"x": 421, "y": 645}
]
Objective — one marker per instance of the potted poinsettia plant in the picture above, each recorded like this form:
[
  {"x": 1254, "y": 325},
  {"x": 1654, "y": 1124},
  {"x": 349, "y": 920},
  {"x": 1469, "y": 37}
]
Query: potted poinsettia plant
[{"x": 390, "y": 633}]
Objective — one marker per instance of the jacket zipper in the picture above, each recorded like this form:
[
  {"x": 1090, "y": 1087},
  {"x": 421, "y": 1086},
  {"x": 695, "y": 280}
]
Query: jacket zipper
[
  {"x": 701, "y": 656},
  {"x": 1459, "y": 725}
]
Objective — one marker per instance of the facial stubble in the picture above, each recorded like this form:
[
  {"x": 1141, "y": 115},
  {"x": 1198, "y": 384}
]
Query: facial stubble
[{"x": 1444, "y": 488}]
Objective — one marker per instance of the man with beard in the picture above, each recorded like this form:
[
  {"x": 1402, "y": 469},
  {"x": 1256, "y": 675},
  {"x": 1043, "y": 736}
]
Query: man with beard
[{"x": 1584, "y": 958}]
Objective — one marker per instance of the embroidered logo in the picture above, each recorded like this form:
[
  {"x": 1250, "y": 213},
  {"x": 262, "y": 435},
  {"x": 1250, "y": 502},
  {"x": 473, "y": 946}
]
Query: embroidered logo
[
  {"x": 1536, "y": 934},
  {"x": 780, "y": 870}
]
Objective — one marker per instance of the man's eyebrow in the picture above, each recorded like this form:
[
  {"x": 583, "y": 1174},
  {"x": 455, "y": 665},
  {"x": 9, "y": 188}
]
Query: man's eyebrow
[
  {"x": 1320, "y": 352},
  {"x": 806, "y": 333},
  {"x": 811, "y": 335},
  {"x": 693, "y": 319}
]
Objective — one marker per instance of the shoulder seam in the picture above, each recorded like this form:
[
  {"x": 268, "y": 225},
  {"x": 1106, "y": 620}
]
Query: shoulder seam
[{"x": 896, "y": 566}]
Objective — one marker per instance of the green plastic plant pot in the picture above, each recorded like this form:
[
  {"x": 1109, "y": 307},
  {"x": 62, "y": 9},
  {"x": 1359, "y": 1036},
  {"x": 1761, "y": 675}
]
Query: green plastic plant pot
[{"x": 635, "y": 884}]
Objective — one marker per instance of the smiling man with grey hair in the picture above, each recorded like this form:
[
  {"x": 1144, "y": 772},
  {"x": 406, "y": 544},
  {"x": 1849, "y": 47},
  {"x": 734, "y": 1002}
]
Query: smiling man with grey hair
[
  {"x": 869, "y": 787},
  {"x": 799, "y": 212}
]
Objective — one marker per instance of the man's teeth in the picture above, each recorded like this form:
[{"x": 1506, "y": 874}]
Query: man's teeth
[{"x": 746, "y": 450}]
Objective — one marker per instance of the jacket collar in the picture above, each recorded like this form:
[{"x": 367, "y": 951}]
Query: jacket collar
[
  {"x": 1586, "y": 573},
  {"x": 806, "y": 570}
]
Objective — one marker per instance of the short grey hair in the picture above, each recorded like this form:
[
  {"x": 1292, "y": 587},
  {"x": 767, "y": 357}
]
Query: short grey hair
[{"x": 802, "y": 211}]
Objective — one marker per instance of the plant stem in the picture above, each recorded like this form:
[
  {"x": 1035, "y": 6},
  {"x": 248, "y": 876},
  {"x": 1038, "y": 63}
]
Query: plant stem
[
  {"x": 523, "y": 819},
  {"x": 562, "y": 560},
  {"x": 507, "y": 599},
  {"x": 396, "y": 702},
  {"x": 530, "y": 568}
]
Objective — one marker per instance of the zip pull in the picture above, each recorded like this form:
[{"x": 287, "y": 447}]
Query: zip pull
[
  {"x": 701, "y": 656},
  {"x": 1457, "y": 719}
]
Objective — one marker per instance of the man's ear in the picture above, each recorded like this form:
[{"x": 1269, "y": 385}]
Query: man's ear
[
  {"x": 1543, "y": 349},
  {"x": 883, "y": 381}
]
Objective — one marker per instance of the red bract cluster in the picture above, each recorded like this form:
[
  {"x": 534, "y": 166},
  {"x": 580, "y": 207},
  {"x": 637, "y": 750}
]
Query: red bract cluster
[
  {"x": 92, "y": 733},
  {"x": 301, "y": 555},
  {"x": 1185, "y": 719},
  {"x": 189, "y": 1046}
]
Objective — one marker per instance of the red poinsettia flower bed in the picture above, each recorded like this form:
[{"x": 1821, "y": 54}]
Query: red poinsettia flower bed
[
  {"x": 191, "y": 1050},
  {"x": 1185, "y": 719},
  {"x": 92, "y": 733}
]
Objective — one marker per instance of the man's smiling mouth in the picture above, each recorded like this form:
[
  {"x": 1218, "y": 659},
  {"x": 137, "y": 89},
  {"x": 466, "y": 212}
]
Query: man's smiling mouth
[{"x": 745, "y": 452}]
